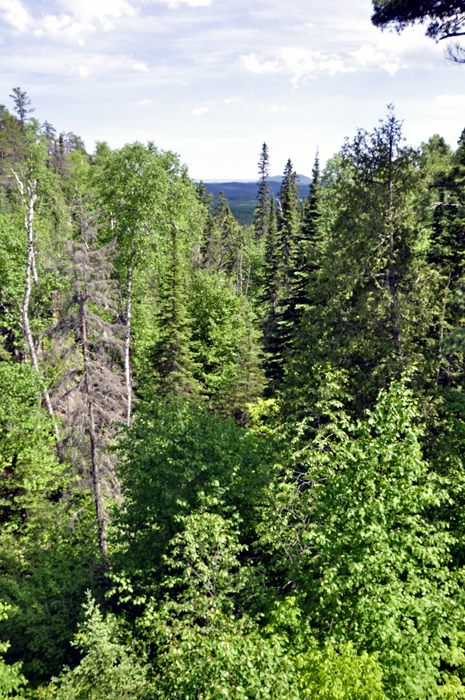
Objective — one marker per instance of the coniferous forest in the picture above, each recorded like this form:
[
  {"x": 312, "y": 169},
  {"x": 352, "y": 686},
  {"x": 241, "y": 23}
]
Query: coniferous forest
[{"x": 232, "y": 457}]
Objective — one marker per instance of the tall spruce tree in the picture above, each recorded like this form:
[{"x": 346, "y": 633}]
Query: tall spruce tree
[
  {"x": 304, "y": 263},
  {"x": 172, "y": 357},
  {"x": 22, "y": 105},
  {"x": 263, "y": 195},
  {"x": 288, "y": 221},
  {"x": 270, "y": 296},
  {"x": 378, "y": 300}
]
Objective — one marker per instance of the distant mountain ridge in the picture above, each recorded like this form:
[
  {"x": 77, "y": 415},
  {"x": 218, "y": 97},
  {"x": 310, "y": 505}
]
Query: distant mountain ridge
[
  {"x": 303, "y": 180},
  {"x": 242, "y": 194}
]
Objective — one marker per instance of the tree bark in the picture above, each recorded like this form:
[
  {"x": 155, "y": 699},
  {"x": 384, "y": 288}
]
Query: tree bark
[
  {"x": 101, "y": 536},
  {"x": 31, "y": 271},
  {"x": 127, "y": 345},
  {"x": 102, "y": 543}
]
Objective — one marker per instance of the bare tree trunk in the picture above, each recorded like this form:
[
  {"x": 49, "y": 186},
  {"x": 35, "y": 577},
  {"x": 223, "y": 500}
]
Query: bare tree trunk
[
  {"x": 28, "y": 205},
  {"x": 102, "y": 543},
  {"x": 240, "y": 266},
  {"x": 127, "y": 345},
  {"x": 248, "y": 280}
]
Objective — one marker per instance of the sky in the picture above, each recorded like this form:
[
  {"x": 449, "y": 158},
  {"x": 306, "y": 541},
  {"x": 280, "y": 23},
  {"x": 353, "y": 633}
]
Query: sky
[{"x": 214, "y": 79}]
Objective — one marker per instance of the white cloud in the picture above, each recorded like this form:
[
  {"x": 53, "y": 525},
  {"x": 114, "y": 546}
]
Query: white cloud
[
  {"x": 252, "y": 64},
  {"x": 141, "y": 66},
  {"x": 278, "y": 108},
  {"x": 300, "y": 63},
  {"x": 71, "y": 26},
  {"x": 73, "y": 62},
  {"x": 143, "y": 103},
  {"x": 14, "y": 13},
  {"x": 451, "y": 101},
  {"x": 192, "y": 3},
  {"x": 390, "y": 67},
  {"x": 90, "y": 10},
  {"x": 335, "y": 65},
  {"x": 198, "y": 111},
  {"x": 367, "y": 54},
  {"x": 390, "y": 52}
]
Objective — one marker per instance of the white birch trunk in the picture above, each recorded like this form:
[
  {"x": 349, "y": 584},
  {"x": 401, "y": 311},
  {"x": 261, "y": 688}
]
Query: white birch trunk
[{"x": 31, "y": 271}]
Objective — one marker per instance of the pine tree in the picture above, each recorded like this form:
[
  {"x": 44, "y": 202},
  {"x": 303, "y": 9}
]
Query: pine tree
[
  {"x": 210, "y": 247},
  {"x": 172, "y": 357},
  {"x": 304, "y": 263},
  {"x": 377, "y": 298},
  {"x": 263, "y": 195},
  {"x": 22, "y": 105},
  {"x": 270, "y": 296},
  {"x": 204, "y": 196},
  {"x": 288, "y": 221}
]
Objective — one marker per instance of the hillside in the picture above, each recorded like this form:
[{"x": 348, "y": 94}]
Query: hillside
[{"x": 241, "y": 195}]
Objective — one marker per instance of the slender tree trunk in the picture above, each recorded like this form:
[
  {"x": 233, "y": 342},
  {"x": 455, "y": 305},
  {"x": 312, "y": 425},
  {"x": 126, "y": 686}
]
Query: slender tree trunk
[
  {"x": 127, "y": 344},
  {"x": 102, "y": 543},
  {"x": 31, "y": 271},
  {"x": 248, "y": 280}
]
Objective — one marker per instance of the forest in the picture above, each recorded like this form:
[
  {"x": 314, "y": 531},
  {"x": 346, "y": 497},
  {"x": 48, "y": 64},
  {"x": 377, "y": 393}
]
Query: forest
[{"x": 232, "y": 457}]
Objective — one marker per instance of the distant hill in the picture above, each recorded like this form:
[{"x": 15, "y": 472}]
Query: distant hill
[{"x": 242, "y": 194}]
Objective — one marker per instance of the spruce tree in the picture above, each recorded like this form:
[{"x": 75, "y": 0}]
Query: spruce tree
[
  {"x": 210, "y": 247},
  {"x": 377, "y": 299},
  {"x": 304, "y": 263},
  {"x": 288, "y": 221},
  {"x": 263, "y": 195},
  {"x": 172, "y": 357},
  {"x": 270, "y": 296},
  {"x": 22, "y": 105}
]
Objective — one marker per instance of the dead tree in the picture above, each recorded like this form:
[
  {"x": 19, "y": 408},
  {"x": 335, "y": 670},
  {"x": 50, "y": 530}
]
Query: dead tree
[{"x": 88, "y": 340}]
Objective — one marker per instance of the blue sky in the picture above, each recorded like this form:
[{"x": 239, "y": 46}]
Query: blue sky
[{"x": 213, "y": 79}]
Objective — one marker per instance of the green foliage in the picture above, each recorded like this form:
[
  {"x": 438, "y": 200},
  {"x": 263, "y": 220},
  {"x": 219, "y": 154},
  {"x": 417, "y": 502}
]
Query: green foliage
[
  {"x": 374, "y": 285},
  {"x": 313, "y": 555},
  {"x": 29, "y": 467},
  {"x": 109, "y": 669},
  {"x": 172, "y": 357},
  {"x": 379, "y": 564},
  {"x": 339, "y": 675},
  {"x": 288, "y": 220},
  {"x": 225, "y": 345},
  {"x": 44, "y": 577},
  {"x": 11, "y": 678},
  {"x": 207, "y": 649},
  {"x": 13, "y": 250},
  {"x": 177, "y": 459}
]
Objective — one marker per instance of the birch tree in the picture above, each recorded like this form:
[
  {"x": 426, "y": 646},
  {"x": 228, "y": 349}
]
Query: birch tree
[
  {"x": 143, "y": 191},
  {"x": 31, "y": 179}
]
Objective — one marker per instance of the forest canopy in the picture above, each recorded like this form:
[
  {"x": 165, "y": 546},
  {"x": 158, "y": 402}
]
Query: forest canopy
[{"x": 232, "y": 457}]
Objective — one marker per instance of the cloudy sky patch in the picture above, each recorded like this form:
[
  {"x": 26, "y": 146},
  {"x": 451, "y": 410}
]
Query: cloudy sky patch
[{"x": 216, "y": 79}]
